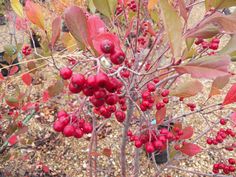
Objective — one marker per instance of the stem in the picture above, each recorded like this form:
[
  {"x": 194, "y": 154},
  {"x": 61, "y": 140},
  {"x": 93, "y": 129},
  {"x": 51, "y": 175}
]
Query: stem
[
  {"x": 25, "y": 121},
  {"x": 136, "y": 162},
  {"x": 124, "y": 138}
]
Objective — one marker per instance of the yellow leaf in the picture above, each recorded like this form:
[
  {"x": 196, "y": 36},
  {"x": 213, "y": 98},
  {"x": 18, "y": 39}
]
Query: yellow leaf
[
  {"x": 17, "y": 7},
  {"x": 151, "y": 4},
  {"x": 69, "y": 42}
]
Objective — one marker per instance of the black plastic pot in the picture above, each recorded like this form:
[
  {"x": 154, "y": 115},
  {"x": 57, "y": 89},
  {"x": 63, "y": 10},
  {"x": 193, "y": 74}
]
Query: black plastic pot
[
  {"x": 36, "y": 43},
  {"x": 3, "y": 63}
]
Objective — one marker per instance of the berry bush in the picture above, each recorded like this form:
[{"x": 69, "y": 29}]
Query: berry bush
[{"x": 138, "y": 62}]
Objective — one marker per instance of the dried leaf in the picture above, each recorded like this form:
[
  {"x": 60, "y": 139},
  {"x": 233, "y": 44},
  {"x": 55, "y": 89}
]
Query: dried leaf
[
  {"x": 233, "y": 118},
  {"x": 160, "y": 115},
  {"x": 107, "y": 152},
  {"x": 219, "y": 4},
  {"x": 218, "y": 84},
  {"x": 56, "y": 88},
  {"x": 152, "y": 4},
  {"x": 187, "y": 133},
  {"x": 187, "y": 88}
]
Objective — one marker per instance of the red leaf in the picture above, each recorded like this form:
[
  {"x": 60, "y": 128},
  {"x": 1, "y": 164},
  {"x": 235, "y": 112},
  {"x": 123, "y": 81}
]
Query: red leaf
[
  {"x": 183, "y": 10},
  {"x": 27, "y": 79},
  {"x": 95, "y": 26},
  {"x": 45, "y": 96},
  {"x": 188, "y": 133},
  {"x": 13, "y": 70},
  {"x": 56, "y": 29},
  {"x": 212, "y": 25},
  {"x": 76, "y": 22},
  {"x": 231, "y": 96},
  {"x": 233, "y": 118},
  {"x": 34, "y": 13},
  {"x": 190, "y": 149},
  {"x": 160, "y": 115},
  {"x": 209, "y": 67},
  {"x": 12, "y": 140},
  {"x": 101, "y": 37}
]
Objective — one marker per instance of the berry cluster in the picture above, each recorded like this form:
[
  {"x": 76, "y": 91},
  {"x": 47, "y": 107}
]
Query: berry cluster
[
  {"x": 155, "y": 140},
  {"x": 213, "y": 44},
  {"x": 222, "y": 134},
  {"x": 132, "y": 5},
  {"x": 26, "y": 50},
  {"x": 71, "y": 125},
  {"x": 117, "y": 56},
  {"x": 226, "y": 168},
  {"x": 102, "y": 91},
  {"x": 191, "y": 106}
]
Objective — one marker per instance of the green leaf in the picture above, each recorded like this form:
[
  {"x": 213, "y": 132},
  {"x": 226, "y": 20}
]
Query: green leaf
[
  {"x": 173, "y": 26},
  {"x": 219, "y": 4},
  {"x": 189, "y": 42},
  {"x": 106, "y": 7}
]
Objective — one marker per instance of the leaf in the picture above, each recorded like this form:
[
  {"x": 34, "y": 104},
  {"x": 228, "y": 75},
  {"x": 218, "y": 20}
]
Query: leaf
[
  {"x": 12, "y": 101},
  {"x": 45, "y": 96},
  {"x": 12, "y": 140},
  {"x": 219, "y": 4},
  {"x": 188, "y": 133},
  {"x": 233, "y": 118},
  {"x": 209, "y": 67},
  {"x": 230, "y": 96},
  {"x": 183, "y": 10},
  {"x": 17, "y": 7},
  {"x": 187, "y": 89},
  {"x": 107, "y": 152},
  {"x": 160, "y": 115},
  {"x": 56, "y": 29},
  {"x": 13, "y": 70},
  {"x": 95, "y": 154},
  {"x": 190, "y": 149},
  {"x": 27, "y": 79},
  {"x": 31, "y": 65},
  {"x": 76, "y": 22},
  {"x": 218, "y": 84},
  {"x": 173, "y": 27},
  {"x": 1, "y": 76},
  {"x": 95, "y": 26},
  {"x": 106, "y": 7},
  {"x": 91, "y": 6},
  {"x": 152, "y": 4},
  {"x": 29, "y": 106},
  {"x": 56, "y": 88},
  {"x": 69, "y": 42},
  {"x": 35, "y": 14},
  {"x": 213, "y": 25}
]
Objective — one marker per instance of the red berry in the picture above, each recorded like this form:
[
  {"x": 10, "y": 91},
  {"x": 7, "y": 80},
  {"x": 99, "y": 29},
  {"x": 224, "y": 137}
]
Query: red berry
[
  {"x": 156, "y": 80},
  {"x": 160, "y": 105},
  {"x": 146, "y": 95},
  {"x": 64, "y": 120},
  {"x": 215, "y": 171},
  {"x": 138, "y": 144},
  {"x": 88, "y": 91},
  {"x": 231, "y": 161},
  {"x": 88, "y": 128},
  {"x": 165, "y": 93},
  {"x": 151, "y": 87},
  {"x": 223, "y": 121},
  {"x": 81, "y": 123},
  {"x": 69, "y": 131},
  {"x": 96, "y": 102},
  {"x": 149, "y": 147},
  {"x": 117, "y": 57},
  {"x": 112, "y": 99},
  {"x": 199, "y": 41},
  {"x": 165, "y": 100},
  {"x": 215, "y": 40},
  {"x": 205, "y": 45},
  {"x": 78, "y": 80},
  {"x": 101, "y": 93},
  {"x": 209, "y": 141},
  {"x": 58, "y": 126},
  {"x": 129, "y": 133},
  {"x": 62, "y": 113},
  {"x": 78, "y": 133},
  {"x": 74, "y": 89},
  {"x": 158, "y": 144},
  {"x": 231, "y": 168},
  {"x": 102, "y": 79},
  {"x": 107, "y": 46},
  {"x": 214, "y": 46},
  {"x": 65, "y": 73},
  {"x": 120, "y": 116},
  {"x": 177, "y": 147}
]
